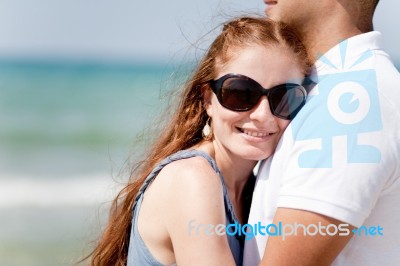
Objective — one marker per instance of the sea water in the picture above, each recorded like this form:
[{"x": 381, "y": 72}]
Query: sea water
[{"x": 66, "y": 132}]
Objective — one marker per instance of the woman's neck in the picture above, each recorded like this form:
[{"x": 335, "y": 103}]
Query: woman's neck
[{"x": 236, "y": 172}]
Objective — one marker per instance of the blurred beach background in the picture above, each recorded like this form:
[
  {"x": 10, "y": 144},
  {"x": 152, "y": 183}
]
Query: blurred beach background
[{"x": 81, "y": 81}]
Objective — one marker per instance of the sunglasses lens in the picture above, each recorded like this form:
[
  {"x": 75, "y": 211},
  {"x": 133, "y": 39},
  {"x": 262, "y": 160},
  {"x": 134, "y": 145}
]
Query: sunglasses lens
[
  {"x": 240, "y": 94},
  {"x": 286, "y": 100}
]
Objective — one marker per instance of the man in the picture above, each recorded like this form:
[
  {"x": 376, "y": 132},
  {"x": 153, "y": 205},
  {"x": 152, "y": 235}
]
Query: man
[{"x": 331, "y": 193}]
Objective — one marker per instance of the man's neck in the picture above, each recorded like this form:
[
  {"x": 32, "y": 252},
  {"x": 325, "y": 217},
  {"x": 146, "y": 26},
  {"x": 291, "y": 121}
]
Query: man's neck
[
  {"x": 318, "y": 42},
  {"x": 322, "y": 35}
]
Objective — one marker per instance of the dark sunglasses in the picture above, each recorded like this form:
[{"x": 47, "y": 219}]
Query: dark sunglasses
[{"x": 240, "y": 93}]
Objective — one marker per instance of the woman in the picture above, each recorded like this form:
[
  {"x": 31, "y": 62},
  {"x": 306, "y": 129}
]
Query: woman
[{"x": 199, "y": 172}]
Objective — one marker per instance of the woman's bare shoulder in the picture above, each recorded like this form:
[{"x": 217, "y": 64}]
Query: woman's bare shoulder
[{"x": 189, "y": 173}]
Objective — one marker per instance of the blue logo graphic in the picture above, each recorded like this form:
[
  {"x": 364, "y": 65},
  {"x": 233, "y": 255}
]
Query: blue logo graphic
[
  {"x": 376, "y": 230},
  {"x": 345, "y": 104}
]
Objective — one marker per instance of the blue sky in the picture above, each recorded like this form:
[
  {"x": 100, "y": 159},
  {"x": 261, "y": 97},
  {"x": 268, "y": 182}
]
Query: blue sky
[{"x": 132, "y": 29}]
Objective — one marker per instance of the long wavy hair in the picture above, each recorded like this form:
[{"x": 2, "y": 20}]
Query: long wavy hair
[{"x": 184, "y": 129}]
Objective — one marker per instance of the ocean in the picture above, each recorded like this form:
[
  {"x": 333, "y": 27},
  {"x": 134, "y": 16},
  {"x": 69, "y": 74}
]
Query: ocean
[{"x": 66, "y": 132}]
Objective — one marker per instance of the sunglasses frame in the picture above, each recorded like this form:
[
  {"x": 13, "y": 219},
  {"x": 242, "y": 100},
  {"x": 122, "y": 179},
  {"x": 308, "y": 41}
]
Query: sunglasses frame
[{"x": 216, "y": 87}]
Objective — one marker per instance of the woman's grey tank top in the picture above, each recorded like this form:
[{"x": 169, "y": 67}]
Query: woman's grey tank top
[{"x": 139, "y": 254}]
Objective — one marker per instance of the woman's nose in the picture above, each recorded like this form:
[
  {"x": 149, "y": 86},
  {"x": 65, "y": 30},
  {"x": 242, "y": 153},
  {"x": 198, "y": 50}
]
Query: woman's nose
[{"x": 262, "y": 111}]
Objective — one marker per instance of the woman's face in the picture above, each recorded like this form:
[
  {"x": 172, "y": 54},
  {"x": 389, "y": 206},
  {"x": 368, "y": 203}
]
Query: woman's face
[{"x": 253, "y": 134}]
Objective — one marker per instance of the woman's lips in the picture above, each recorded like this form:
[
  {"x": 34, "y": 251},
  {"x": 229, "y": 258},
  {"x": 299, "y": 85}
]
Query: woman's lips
[{"x": 256, "y": 133}]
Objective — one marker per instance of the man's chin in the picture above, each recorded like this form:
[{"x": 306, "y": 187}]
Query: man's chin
[
  {"x": 270, "y": 10},
  {"x": 271, "y": 14}
]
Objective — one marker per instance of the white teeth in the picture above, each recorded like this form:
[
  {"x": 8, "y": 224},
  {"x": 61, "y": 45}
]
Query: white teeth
[{"x": 256, "y": 134}]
